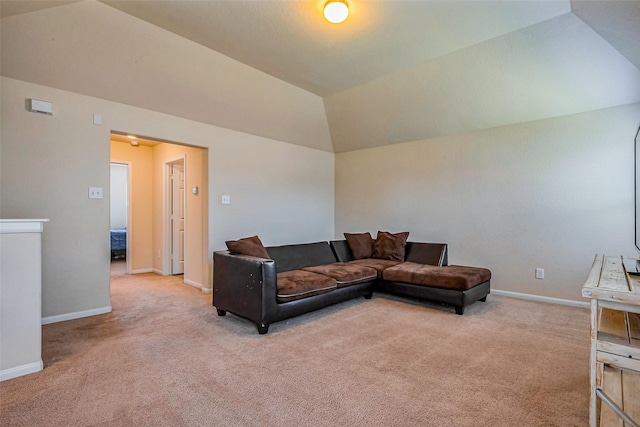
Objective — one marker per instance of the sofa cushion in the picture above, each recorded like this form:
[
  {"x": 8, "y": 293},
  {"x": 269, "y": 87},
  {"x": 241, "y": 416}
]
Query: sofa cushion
[
  {"x": 390, "y": 246},
  {"x": 345, "y": 274},
  {"x": 377, "y": 264},
  {"x": 248, "y": 246},
  {"x": 426, "y": 253},
  {"x": 297, "y": 284},
  {"x": 454, "y": 277},
  {"x": 360, "y": 244},
  {"x": 295, "y": 257}
]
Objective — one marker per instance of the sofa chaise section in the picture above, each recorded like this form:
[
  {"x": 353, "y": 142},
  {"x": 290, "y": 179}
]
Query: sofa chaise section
[
  {"x": 424, "y": 275},
  {"x": 455, "y": 285}
]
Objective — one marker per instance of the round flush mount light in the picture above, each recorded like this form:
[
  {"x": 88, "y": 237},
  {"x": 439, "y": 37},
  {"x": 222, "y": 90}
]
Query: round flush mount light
[
  {"x": 134, "y": 140},
  {"x": 336, "y": 11}
]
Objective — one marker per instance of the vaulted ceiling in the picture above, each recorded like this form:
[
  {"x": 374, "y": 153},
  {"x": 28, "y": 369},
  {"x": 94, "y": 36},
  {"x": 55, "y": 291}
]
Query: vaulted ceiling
[{"x": 395, "y": 71}]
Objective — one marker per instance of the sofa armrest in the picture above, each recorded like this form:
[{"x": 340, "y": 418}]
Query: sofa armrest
[
  {"x": 427, "y": 253},
  {"x": 245, "y": 286}
]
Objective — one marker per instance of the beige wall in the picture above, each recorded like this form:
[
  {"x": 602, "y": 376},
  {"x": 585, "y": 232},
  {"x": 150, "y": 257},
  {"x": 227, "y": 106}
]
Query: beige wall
[
  {"x": 280, "y": 191},
  {"x": 284, "y": 192},
  {"x": 140, "y": 227},
  {"x": 548, "y": 194}
]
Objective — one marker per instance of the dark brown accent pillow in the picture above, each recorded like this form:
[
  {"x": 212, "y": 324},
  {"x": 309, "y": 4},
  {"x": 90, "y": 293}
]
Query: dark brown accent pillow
[
  {"x": 248, "y": 246},
  {"x": 390, "y": 246},
  {"x": 360, "y": 244}
]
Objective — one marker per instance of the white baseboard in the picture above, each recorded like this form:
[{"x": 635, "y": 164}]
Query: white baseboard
[
  {"x": 192, "y": 283},
  {"x": 76, "y": 315},
  {"x": 200, "y": 286},
  {"x": 142, "y": 270},
  {"x": 18, "y": 371},
  {"x": 155, "y": 270},
  {"x": 539, "y": 298}
]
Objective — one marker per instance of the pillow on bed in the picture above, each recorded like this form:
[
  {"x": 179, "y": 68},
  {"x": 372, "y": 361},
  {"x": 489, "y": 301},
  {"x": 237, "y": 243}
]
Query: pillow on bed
[
  {"x": 248, "y": 246},
  {"x": 360, "y": 244},
  {"x": 390, "y": 246}
]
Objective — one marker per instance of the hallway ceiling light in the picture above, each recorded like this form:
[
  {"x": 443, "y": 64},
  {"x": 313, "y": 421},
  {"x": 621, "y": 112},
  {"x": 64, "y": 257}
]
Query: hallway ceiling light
[{"x": 336, "y": 11}]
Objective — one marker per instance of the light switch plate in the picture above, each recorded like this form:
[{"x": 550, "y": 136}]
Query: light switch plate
[
  {"x": 226, "y": 200},
  {"x": 95, "y": 192}
]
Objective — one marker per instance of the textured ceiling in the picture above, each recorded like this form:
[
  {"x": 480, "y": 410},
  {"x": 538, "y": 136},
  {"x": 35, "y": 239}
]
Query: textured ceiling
[
  {"x": 395, "y": 71},
  {"x": 292, "y": 41}
]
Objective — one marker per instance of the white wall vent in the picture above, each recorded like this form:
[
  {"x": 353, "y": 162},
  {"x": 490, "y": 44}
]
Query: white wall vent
[{"x": 42, "y": 107}]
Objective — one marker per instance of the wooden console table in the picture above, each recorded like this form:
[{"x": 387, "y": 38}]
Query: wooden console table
[{"x": 615, "y": 343}]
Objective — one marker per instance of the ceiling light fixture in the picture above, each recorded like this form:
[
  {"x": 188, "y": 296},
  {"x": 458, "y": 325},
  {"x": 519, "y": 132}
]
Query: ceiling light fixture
[
  {"x": 336, "y": 11},
  {"x": 134, "y": 140}
]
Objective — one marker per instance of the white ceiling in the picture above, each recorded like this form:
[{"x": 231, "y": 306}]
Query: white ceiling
[
  {"x": 395, "y": 71},
  {"x": 291, "y": 41}
]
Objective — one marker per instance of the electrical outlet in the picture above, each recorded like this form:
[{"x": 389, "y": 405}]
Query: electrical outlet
[
  {"x": 226, "y": 200},
  {"x": 539, "y": 273}
]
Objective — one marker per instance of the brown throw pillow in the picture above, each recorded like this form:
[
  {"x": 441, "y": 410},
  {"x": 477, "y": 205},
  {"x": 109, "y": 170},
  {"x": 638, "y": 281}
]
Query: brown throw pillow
[
  {"x": 360, "y": 244},
  {"x": 248, "y": 246},
  {"x": 390, "y": 246}
]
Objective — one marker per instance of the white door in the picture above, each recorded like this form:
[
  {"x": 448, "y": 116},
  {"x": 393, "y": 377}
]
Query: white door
[{"x": 177, "y": 217}]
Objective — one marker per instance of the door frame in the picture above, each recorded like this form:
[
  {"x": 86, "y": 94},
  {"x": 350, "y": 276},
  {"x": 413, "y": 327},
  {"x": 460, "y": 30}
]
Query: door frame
[
  {"x": 128, "y": 252},
  {"x": 166, "y": 214}
]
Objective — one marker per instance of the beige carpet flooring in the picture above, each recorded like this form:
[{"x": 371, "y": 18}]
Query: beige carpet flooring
[{"x": 164, "y": 358}]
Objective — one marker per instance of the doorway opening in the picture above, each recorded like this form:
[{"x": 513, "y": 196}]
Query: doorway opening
[
  {"x": 167, "y": 220},
  {"x": 119, "y": 205}
]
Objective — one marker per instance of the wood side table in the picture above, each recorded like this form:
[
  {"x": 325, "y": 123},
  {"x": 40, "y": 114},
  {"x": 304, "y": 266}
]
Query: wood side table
[{"x": 615, "y": 343}]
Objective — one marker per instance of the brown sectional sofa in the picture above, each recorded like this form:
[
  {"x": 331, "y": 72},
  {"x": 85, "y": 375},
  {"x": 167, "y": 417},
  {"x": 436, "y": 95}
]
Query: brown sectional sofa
[{"x": 286, "y": 281}]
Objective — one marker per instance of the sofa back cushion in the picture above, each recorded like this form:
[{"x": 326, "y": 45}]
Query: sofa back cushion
[
  {"x": 341, "y": 250},
  {"x": 423, "y": 253},
  {"x": 295, "y": 257},
  {"x": 426, "y": 253}
]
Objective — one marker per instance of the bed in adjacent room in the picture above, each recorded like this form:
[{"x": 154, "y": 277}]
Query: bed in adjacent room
[{"x": 118, "y": 243}]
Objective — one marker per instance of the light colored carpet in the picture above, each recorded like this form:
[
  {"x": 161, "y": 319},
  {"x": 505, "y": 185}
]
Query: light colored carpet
[{"x": 164, "y": 358}]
